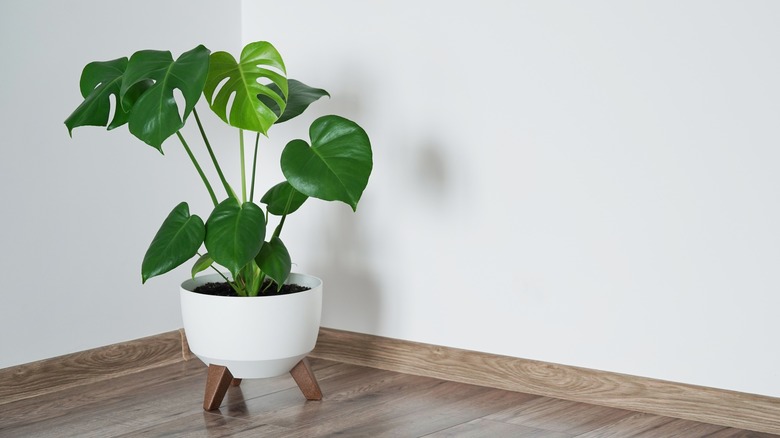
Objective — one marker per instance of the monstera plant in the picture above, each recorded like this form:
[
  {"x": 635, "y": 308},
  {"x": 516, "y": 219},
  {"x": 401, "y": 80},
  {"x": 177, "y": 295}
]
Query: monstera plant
[{"x": 251, "y": 94}]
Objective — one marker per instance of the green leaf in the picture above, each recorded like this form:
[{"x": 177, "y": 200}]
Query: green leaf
[
  {"x": 178, "y": 239},
  {"x": 99, "y": 80},
  {"x": 235, "y": 233},
  {"x": 241, "y": 81},
  {"x": 337, "y": 165},
  {"x": 299, "y": 97},
  {"x": 274, "y": 260},
  {"x": 283, "y": 199},
  {"x": 204, "y": 262},
  {"x": 155, "y": 115}
]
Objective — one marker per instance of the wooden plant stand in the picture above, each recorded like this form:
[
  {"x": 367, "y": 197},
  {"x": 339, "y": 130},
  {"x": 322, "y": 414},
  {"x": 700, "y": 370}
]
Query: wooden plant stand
[{"x": 219, "y": 380}]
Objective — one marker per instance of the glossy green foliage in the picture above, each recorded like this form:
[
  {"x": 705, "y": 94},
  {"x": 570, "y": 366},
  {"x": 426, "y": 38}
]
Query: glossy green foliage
[
  {"x": 242, "y": 80},
  {"x": 337, "y": 165},
  {"x": 252, "y": 93},
  {"x": 178, "y": 239},
  {"x": 204, "y": 262},
  {"x": 235, "y": 233},
  {"x": 283, "y": 199},
  {"x": 274, "y": 260},
  {"x": 155, "y": 116},
  {"x": 299, "y": 97},
  {"x": 99, "y": 81}
]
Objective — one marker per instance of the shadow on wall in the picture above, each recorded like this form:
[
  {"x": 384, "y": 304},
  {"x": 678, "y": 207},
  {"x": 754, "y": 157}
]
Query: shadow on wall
[
  {"x": 430, "y": 173},
  {"x": 421, "y": 173},
  {"x": 352, "y": 293}
]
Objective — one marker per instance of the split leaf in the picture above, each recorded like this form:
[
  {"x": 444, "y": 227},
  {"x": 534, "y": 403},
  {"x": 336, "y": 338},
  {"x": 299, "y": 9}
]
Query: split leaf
[
  {"x": 155, "y": 116},
  {"x": 241, "y": 80}
]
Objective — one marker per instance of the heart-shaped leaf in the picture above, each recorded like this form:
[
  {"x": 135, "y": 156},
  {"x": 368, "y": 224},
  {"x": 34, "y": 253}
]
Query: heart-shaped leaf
[
  {"x": 178, "y": 239},
  {"x": 99, "y": 80},
  {"x": 299, "y": 97},
  {"x": 274, "y": 260},
  {"x": 283, "y": 199},
  {"x": 155, "y": 115},
  {"x": 204, "y": 262},
  {"x": 337, "y": 165},
  {"x": 235, "y": 233},
  {"x": 241, "y": 81}
]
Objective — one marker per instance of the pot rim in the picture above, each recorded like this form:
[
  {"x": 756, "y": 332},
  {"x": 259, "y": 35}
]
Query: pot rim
[{"x": 191, "y": 283}]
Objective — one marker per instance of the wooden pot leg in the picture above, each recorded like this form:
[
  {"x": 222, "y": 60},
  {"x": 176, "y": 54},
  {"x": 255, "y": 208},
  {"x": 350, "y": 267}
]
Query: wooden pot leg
[
  {"x": 217, "y": 383},
  {"x": 235, "y": 382},
  {"x": 306, "y": 381}
]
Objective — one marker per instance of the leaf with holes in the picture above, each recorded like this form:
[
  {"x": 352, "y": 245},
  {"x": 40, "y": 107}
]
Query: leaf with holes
[
  {"x": 100, "y": 80},
  {"x": 299, "y": 97},
  {"x": 178, "y": 239},
  {"x": 337, "y": 165},
  {"x": 241, "y": 81},
  {"x": 235, "y": 233},
  {"x": 155, "y": 115},
  {"x": 274, "y": 260},
  {"x": 283, "y": 199}
]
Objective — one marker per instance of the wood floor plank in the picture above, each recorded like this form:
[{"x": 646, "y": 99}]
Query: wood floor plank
[
  {"x": 558, "y": 415},
  {"x": 486, "y": 428},
  {"x": 51, "y": 375},
  {"x": 84, "y": 397},
  {"x": 130, "y": 402},
  {"x": 739, "y": 433},
  {"x": 711, "y": 405},
  {"x": 424, "y": 410},
  {"x": 361, "y": 389},
  {"x": 207, "y": 425},
  {"x": 643, "y": 425},
  {"x": 358, "y": 401}
]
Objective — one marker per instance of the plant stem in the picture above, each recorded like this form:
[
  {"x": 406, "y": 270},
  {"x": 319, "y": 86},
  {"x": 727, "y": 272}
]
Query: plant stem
[
  {"x": 220, "y": 274},
  {"x": 254, "y": 170},
  {"x": 197, "y": 167},
  {"x": 228, "y": 189},
  {"x": 278, "y": 229},
  {"x": 243, "y": 166}
]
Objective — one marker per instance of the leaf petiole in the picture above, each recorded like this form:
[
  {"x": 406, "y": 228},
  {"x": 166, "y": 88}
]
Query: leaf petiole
[
  {"x": 197, "y": 167},
  {"x": 228, "y": 189}
]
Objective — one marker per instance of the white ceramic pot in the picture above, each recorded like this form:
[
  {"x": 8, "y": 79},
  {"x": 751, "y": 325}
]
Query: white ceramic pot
[{"x": 253, "y": 337}]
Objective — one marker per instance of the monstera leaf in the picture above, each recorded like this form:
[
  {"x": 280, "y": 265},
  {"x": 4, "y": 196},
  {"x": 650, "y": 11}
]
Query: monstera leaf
[
  {"x": 155, "y": 115},
  {"x": 235, "y": 233},
  {"x": 337, "y": 165},
  {"x": 100, "y": 80},
  {"x": 283, "y": 199},
  {"x": 274, "y": 260},
  {"x": 178, "y": 239},
  {"x": 241, "y": 81},
  {"x": 299, "y": 97}
]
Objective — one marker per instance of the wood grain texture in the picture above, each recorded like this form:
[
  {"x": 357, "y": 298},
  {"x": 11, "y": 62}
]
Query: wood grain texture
[
  {"x": 307, "y": 382},
  {"x": 50, "y": 375},
  {"x": 678, "y": 400},
  {"x": 217, "y": 383},
  {"x": 358, "y": 401}
]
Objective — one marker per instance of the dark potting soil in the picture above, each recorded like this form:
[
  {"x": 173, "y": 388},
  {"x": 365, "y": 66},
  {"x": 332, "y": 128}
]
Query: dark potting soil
[{"x": 224, "y": 290}]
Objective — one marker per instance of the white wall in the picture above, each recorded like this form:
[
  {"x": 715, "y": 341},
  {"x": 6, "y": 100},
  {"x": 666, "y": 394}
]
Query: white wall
[
  {"x": 588, "y": 183},
  {"x": 77, "y": 214},
  {"x": 591, "y": 184}
]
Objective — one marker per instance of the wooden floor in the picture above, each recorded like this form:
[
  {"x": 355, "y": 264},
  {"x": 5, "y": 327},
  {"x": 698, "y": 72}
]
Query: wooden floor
[{"x": 359, "y": 402}]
